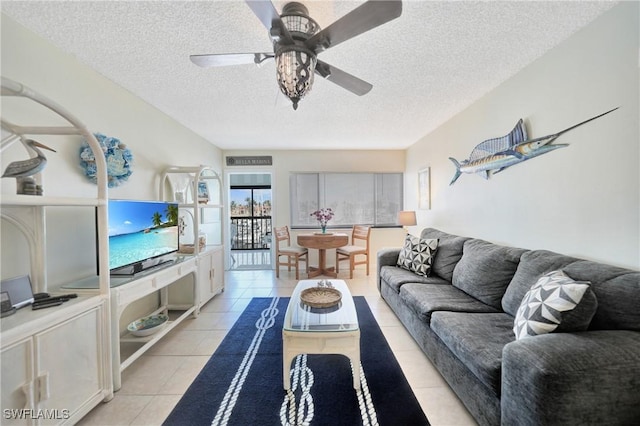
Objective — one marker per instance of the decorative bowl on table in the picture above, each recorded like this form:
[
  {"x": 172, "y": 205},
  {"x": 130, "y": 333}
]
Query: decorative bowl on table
[
  {"x": 148, "y": 325},
  {"x": 320, "y": 297}
]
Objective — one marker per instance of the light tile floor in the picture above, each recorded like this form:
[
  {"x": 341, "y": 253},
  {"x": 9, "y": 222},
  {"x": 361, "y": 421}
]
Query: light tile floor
[{"x": 153, "y": 385}]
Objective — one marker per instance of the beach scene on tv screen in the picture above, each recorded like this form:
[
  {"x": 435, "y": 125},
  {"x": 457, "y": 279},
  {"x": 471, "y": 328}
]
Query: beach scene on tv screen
[{"x": 141, "y": 230}]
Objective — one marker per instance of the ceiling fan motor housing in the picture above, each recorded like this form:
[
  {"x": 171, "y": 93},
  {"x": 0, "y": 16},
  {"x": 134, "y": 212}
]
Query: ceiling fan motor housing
[{"x": 295, "y": 17}]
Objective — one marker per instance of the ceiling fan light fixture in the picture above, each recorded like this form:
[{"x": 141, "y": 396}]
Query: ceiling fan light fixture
[{"x": 295, "y": 68}]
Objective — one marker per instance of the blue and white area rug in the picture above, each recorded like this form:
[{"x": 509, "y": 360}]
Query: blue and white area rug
[{"x": 241, "y": 385}]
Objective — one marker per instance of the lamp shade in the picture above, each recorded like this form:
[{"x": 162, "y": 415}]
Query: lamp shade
[{"x": 407, "y": 218}]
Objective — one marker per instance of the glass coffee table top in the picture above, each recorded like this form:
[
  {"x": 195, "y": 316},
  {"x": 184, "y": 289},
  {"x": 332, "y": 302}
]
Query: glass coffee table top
[{"x": 301, "y": 317}]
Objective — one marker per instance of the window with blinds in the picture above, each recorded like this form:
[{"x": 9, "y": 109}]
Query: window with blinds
[{"x": 356, "y": 198}]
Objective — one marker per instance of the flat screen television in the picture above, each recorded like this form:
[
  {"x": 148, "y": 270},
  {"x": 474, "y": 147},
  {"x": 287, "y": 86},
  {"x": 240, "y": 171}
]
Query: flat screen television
[{"x": 142, "y": 235}]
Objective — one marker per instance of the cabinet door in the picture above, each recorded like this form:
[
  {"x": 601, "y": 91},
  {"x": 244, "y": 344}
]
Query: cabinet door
[
  {"x": 218, "y": 271},
  {"x": 68, "y": 366},
  {"x": 17, "y": 383},
  {"x": 205, "y": 277}
]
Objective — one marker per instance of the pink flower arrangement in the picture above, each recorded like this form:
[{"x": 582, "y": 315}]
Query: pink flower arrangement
[{"x": 323, "y": 216}]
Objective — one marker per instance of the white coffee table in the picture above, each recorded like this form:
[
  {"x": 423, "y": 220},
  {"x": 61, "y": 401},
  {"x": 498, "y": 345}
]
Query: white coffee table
[{"x": 309, "y": 330}]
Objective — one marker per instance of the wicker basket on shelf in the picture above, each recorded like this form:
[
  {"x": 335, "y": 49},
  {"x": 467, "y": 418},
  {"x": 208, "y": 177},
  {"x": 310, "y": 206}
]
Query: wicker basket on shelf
[{"x": 190, "y": 248}]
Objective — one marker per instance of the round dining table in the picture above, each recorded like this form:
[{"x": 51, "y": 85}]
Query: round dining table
[{"x": 322, "y": 242}]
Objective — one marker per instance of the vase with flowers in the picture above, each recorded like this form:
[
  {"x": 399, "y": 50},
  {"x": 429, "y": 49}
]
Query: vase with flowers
[{"x": 323, "y": 216}]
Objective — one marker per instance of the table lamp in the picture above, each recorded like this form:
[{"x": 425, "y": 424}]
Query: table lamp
[{"x": 407, "y": 218}]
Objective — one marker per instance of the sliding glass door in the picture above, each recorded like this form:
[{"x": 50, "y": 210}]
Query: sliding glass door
[{"x": 250, "y": 217}]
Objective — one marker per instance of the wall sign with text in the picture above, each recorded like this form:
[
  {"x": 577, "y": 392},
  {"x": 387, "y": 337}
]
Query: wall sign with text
[{"x": 253, "y": 160}]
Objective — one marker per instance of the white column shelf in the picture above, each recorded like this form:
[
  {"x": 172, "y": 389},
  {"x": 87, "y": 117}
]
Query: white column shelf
[{"x": 198, "y": 190}]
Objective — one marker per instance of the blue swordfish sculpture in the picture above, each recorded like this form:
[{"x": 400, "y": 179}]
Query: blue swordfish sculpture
[{"x": 498, "y": 156}]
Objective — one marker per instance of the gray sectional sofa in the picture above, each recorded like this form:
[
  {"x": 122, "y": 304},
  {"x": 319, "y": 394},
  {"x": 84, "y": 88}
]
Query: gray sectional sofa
[{"x": 462, "y": 316}]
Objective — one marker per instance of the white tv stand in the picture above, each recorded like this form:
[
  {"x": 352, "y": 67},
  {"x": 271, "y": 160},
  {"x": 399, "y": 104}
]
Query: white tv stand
[{"x": 126, "y": 290}]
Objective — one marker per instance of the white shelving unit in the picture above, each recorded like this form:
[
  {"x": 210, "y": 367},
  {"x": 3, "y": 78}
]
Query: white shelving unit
[
  {"x": 187, "y": 185},
  {"x": 56, "y": 359}
]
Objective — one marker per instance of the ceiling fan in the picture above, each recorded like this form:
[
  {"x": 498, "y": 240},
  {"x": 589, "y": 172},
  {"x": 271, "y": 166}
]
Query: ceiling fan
[{"x": 297, "y": 40}]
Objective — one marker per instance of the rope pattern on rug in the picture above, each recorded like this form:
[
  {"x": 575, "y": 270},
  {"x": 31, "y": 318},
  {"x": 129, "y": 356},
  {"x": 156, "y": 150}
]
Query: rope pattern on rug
[
  {"x": 265, "y": 322},
  {"x": 298, "y": 375},
  {"x": 303, "y": 376},
  {"x": 298, "y": 414},
  {"x": 367, "y": 410}
]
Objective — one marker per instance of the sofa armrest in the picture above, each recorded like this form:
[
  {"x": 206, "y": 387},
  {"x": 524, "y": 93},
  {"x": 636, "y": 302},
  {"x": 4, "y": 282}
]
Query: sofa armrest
[
  {"x": 572, "y": 378},
  {"x": 386, "y": 257}
]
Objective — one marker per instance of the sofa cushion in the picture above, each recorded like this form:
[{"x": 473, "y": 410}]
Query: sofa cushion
[
  {"x": 448, "y": 254},
  {"x": 555, "y": 302},
  {"x": 424, "y": 299},
  {"x": 485, "y": 270},
  {"x": 476, "y": 339},
  {"x": 533, "y": 265},
  {"x": 396, "y": 277},
  {"x": 618, "y": 293},
  {"x": 417, "y": 254},
  {"x": 617, "y": 289}
]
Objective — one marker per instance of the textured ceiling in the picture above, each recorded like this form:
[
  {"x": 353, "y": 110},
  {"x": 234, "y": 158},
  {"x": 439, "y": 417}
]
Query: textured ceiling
[{"x": 426, "y": 66}]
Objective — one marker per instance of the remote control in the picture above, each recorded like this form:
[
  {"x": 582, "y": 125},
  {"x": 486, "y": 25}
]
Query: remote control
[
  {"x": 47, "y": 305},
  {"x": 62, "y": 298}
]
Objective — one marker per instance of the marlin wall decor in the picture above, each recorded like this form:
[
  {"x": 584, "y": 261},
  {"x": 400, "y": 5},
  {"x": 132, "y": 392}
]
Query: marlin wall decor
[{"x": 494, "y": 155}]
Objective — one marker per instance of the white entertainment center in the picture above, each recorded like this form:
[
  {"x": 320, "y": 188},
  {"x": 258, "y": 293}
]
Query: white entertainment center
[
  {"x": 195, "y": 276},
  {"x": 68, "y": 358}
]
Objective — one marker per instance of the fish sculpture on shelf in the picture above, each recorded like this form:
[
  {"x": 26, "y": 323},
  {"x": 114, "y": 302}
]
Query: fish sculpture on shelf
[
  {"x": 494, "y": 155},
  {"x": 24, "y": 169}
]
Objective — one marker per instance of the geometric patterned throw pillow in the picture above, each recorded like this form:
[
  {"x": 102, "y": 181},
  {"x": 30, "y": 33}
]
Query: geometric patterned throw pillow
[
  {"x": 548, "y": 303},
  {"x": 404, "y": 257},
  {"x": 417, "y": 255}
]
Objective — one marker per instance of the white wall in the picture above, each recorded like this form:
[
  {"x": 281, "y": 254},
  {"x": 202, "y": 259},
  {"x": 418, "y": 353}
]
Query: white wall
[
  {"x": 583, "y": 200},
  {"x": 156, "y": 141},
  {"x": 286, "y": 162}
]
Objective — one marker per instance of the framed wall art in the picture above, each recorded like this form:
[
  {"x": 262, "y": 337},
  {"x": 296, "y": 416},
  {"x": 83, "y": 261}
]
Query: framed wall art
[{"x": 203, "y": 193}]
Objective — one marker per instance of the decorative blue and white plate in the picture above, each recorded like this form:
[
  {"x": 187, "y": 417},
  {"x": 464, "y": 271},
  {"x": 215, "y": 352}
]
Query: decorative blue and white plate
[{"x": 148, "y": 325}]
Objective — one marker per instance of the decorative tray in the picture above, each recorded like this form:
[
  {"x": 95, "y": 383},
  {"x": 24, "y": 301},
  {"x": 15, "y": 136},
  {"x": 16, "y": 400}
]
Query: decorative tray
[
  {"x": 323, "y": 233},
  {"x": 320, "y": 297}
]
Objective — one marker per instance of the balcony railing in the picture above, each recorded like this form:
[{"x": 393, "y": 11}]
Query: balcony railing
[{"x": 250, "y": 233}]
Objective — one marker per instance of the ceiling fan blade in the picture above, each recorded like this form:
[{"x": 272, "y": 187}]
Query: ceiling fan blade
[
  {"x": 343, "y": 79},
  {"x": 268, "y": 15},
  {"x": 224, "y": 59},
  {"x": 363, "y": 18}
]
